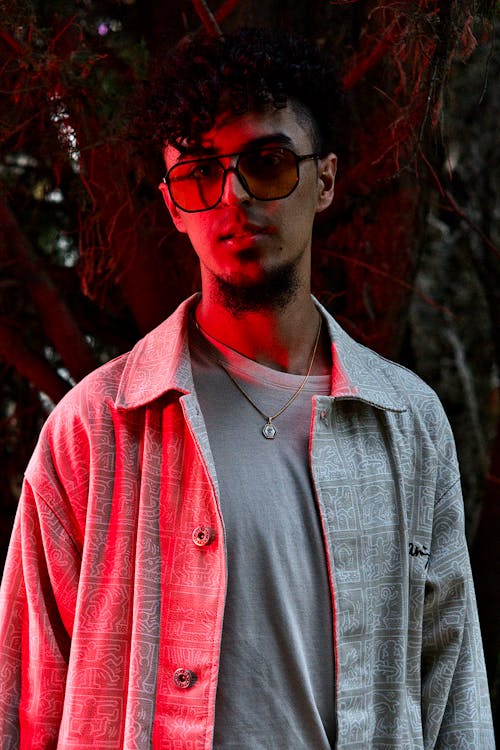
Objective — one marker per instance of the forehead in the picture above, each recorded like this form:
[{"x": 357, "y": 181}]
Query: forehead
[{"x": 236, "y": 132}]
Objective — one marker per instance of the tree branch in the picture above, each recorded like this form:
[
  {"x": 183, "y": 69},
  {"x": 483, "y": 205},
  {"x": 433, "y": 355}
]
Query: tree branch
[
  {"x": 56, "y": 318},
  {"x": 31, "y": 365},
  {"x": 207, "y": 18},
  {"x": 389, "y": 276},
  {"x": 361, "y": 68},
  {"x": 457, "y": 210}
]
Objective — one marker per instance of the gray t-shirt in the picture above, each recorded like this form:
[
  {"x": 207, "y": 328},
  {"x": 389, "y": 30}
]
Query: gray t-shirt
[{"x": 276, "y": 677}]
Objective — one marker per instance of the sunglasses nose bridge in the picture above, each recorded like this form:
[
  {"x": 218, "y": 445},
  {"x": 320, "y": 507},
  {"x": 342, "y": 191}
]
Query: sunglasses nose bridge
[{"x": 231, "y": 188}]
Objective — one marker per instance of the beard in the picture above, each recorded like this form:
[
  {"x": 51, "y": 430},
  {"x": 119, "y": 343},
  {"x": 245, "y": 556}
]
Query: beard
[{"x": 273, "y": 292}]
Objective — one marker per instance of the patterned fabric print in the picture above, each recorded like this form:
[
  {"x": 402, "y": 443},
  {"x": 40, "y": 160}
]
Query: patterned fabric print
[
  {"x": 390, "y": 495},
  {"x": 111, "y": 614}
]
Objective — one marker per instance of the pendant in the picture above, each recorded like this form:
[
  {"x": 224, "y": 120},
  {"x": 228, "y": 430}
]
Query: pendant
[{"x": 269, "y": 430}]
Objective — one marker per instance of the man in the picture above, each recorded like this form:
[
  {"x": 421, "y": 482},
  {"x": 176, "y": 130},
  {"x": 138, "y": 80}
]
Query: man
[{"x": 248, "y": 532}]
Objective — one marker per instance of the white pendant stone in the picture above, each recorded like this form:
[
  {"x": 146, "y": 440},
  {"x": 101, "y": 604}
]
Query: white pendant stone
[{"x": 269, "y": 431}]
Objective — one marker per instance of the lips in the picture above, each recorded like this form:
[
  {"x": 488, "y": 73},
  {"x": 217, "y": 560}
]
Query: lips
[{"x": 243, "y": 231}]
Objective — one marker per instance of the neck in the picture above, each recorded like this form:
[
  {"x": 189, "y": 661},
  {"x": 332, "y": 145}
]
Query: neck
[{"x": 282, "y": 339}]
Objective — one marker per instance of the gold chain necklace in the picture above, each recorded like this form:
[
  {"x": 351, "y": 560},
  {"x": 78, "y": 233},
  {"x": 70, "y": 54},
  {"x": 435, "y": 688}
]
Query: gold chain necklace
[{"x": 269, "y": 430}]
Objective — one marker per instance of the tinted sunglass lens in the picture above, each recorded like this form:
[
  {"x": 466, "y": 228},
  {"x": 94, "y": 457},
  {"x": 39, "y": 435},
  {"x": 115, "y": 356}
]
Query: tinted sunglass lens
[
  {"x": 269, "y": 173},
  {"x": 196, "y": 186},
  {"x": 266, "y": 174}
]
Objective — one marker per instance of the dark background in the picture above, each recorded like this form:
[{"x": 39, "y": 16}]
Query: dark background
[{"x": 407, "y": 258}]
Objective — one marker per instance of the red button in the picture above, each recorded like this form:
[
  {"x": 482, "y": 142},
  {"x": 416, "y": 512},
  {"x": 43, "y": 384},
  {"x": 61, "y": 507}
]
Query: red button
[
  {"x": 184, "y": 678},
  {"x": 203, "y": 535}
]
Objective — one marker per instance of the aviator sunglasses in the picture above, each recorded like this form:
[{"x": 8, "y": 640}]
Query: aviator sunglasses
[{"x": 267, "y": 174}]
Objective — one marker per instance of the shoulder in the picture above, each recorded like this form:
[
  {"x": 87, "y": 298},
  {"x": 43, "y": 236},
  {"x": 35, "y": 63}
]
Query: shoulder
[
  {"x": 79, "y": 420},
  {"x": 108, "y": 400},
  {"x": 128, "y": 381},
  {"x": 93, "y": 395},
  {"x": 360, "y": 372},
  {"x": 412, "y": 410},
  {"x": 412, "y": 390}
]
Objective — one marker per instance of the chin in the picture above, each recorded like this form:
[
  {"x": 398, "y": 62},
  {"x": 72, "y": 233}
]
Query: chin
[{"x": 268, "y": 289}]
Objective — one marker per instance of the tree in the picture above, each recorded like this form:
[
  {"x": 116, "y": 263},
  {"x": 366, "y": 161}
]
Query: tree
[{"x": 406, "y": 257}]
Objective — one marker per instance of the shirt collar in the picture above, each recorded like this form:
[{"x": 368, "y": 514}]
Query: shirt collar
[
  {"x": 160, "y": 362},
  {"x": 360, "y": 373}
]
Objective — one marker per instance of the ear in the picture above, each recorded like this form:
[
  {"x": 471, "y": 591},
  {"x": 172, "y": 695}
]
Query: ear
[
  {"x": 327, "y": 169},
  {"x": 173, "y": 210}
]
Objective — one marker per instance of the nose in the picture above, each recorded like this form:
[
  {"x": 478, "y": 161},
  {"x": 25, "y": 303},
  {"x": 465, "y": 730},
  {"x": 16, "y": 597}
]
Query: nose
[{"x": 234, "y": 191}]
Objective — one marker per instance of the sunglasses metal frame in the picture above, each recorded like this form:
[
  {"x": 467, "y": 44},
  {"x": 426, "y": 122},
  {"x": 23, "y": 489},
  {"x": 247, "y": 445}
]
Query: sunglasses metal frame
[{"x": 217, "y": 157}]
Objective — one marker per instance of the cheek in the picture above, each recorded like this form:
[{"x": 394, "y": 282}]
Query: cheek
[
  {"x": 199, "y": 230},
  {"x": 302, "y": 209},
  {"x": 195, "y": 225}
]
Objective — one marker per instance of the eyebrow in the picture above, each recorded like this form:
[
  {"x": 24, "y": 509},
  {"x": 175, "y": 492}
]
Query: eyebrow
[{"x": 264, "y": 140}]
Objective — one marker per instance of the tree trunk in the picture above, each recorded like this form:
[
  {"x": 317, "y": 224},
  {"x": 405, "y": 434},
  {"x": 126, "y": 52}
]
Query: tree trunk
[{"x": 56, "y": 318}]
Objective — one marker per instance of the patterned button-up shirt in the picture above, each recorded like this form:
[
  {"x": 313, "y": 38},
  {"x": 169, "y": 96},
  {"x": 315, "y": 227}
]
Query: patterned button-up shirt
[{"x": 111, "y": 608}]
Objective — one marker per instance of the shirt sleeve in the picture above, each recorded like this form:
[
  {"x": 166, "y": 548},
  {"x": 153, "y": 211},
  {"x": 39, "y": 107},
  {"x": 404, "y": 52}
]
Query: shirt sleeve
[
  {"x": 455, "y": 700},
  {"x": 36, "y": 606}
]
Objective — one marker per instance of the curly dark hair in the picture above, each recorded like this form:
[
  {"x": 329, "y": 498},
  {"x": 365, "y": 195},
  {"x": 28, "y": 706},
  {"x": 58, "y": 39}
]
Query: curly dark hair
[{"x": 249, "y": 69}]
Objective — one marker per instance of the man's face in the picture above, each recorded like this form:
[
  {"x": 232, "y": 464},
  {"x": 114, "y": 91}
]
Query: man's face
[{"x": 244, "y": 241}]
